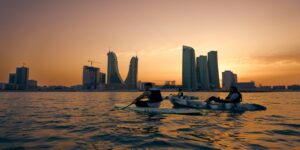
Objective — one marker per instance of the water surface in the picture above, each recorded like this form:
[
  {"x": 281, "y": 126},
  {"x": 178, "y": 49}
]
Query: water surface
[{"x": 86, "y": 120}]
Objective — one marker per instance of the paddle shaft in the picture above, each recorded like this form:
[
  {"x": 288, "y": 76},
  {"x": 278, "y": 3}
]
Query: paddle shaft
[{"x": 128, "y": 105}]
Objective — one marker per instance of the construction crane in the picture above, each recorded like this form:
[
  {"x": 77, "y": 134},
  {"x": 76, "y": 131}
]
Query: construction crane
[{"x": 92, "y": 61}]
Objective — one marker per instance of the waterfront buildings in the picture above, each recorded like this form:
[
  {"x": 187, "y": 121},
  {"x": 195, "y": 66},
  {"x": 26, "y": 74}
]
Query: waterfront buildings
[
  {"x": 90, "y": 77},
  {"x": 293, "y": 87},
  {"x": 131, "y": 80},
  {"x": 32, "y": 84},
  {"x": 202, "y": 73},
  {"x": 22, "y": 75},
  {"x": 189, "y": 81},
  {"x": 114, "y": 80},
  {"x": 213, "y": 70},
  {"x": 279, "y": 87},
  {"x": 246, "y": 86},
  {"x": 12, "y": 78},
  {"x": 102, "y": 79},
  {"x": 228, "y": 79}
]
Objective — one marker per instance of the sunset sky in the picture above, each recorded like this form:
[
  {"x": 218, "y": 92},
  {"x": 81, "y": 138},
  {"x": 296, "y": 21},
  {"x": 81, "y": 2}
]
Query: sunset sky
[{"x": 258, "y": 39}]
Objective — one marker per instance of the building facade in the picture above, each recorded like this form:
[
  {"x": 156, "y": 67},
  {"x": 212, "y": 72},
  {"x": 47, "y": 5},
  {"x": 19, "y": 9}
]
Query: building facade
[
  {"x": 202, "y": 73},
  {"x": 213, "y": 70},
  {"x": 22, "y": 75},
  {"x": 228, "y": 79},
  {"x": 132, "y": 77},
  {"x": 246, "y": 86},
  {"x": 90, "y": 77},
  {"x": 189, "y": 81},
  {"x": 12, "y": 78},
  {"x": 114, "y": 80}
]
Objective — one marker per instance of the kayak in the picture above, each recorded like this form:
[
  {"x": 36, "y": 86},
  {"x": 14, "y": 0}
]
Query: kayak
[
  {"x": 183, "y": 102},
  {"x": 184, "y": 111}
]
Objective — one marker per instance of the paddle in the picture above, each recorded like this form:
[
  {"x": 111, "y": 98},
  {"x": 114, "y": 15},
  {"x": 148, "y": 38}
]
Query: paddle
[{"x": 128, "y": 105}]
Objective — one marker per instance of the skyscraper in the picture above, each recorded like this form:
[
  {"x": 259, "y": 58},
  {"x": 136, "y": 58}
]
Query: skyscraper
[
  {"x": 228, "y": 79},
  {"x": 213, "y": 70},
  {"x": 90, "y": 78},
  {"x": 131, "y": 80},
  {"x": 189, "y": 81},
  {"x": 114, "y": 80},
  {"x": 22, "y": 74},
  {"x": 202, "y": 72}
]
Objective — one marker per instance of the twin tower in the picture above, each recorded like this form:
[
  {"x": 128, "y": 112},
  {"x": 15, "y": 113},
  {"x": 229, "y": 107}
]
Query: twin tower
[
  {"x": 114, "y": 79},
  {"x": 202, "y": 73}
]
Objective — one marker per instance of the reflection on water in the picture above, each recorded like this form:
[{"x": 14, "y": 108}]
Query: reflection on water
[{"x": 87, "y": 121}]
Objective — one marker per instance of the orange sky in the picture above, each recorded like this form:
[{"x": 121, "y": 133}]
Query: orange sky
[{"x": 259, "y": 39}]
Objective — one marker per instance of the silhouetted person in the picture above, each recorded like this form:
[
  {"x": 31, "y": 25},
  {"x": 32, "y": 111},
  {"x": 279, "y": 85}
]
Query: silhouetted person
[
  {"x": 180, "y": 92},
  {"x": 234, "y": 96},
  {"x": 152, "y": 94}
]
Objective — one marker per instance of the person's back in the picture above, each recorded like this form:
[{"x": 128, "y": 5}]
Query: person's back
[
  {"x": 152, "y": 94},
  {"x": 180, "y": 93},
  {"x": 155, "y": 97},
  {"x": 234, "y": 96}
]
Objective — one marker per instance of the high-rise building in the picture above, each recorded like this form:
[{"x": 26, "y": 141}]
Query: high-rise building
[
  {"x": 213, "y": 70},
  {"x": 90, "y": 77},
  {"x": 22, "y": 74},
  {"x": 202, "y": 72},
  {"x": 114, "y": 80},
  {"x": 131, "y": 80},
  {"x": 189, "y": 81},
  {"x": 228, "y": 79},
  {"x": 12, "y": 78}
]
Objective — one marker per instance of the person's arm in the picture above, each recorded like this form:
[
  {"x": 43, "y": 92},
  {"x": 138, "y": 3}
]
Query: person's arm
[
  {"x": 143, "y": 95},
  {"x": 232, "y": 98}
]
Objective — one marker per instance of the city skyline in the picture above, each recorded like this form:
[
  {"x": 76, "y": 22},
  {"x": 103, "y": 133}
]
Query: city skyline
[{"x": 258, "y": 40}]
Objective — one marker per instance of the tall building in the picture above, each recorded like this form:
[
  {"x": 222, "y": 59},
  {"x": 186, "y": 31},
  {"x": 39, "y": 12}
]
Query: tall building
[
  {"x": 114, "y": 80},
  {"x": 90, "y": 77},
  {"x": 202, "y": 72},
  {"x": 213, "y": 70},
  {"x": 228, "y": 79},
  {"x": 22, "y": 74},
  {"x": 189, "y": 81},
  {"x": 131, "y": 80}
]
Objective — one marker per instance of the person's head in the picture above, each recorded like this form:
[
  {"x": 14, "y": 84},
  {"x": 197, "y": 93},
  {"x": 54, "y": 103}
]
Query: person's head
[
  {"x": 180, "y": 90},
  {"x": 233, "y": 89},
  {"x": 148, "y": 85}
]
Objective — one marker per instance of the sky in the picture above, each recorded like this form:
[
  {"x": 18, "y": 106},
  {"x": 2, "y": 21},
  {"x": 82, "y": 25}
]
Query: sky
[{"x": 258, "y": 39}]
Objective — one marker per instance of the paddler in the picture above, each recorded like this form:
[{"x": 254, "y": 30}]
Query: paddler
[
  {"x": 234, "y": 96},
  {"x": 152, "y": 94},
  {"x": 180, "y": 92}
]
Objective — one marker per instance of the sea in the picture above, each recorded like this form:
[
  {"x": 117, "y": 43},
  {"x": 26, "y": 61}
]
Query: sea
[{"x": 88, "y": 120}]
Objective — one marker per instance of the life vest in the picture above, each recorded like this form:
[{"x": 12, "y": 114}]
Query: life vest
[
  {"x": 155, "y": 95},
  {"x": 238, "y": 99}
]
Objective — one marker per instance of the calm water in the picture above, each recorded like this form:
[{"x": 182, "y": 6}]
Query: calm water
[{"x": 87, "y": 121}]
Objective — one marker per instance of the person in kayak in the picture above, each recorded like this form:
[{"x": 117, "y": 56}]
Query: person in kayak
[
  {"x": 234, "y": 96},
  {"x": 180, "y": 92},
  {"x": 152, "y": 94}
]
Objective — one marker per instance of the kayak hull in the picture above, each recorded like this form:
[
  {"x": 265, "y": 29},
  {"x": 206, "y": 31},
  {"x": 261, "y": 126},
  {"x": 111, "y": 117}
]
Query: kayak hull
[
  {"x": 160, "y": 110},
  {"x": 179, "y": 102}
]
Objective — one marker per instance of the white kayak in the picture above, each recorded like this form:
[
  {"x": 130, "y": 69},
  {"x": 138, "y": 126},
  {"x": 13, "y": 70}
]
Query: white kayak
[
  {"x": 160, "y": 110},
  {"x": 183, "y": 102}
]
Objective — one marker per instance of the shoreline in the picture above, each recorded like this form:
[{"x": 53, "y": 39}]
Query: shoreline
[{"x": 112, "y": 91}]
